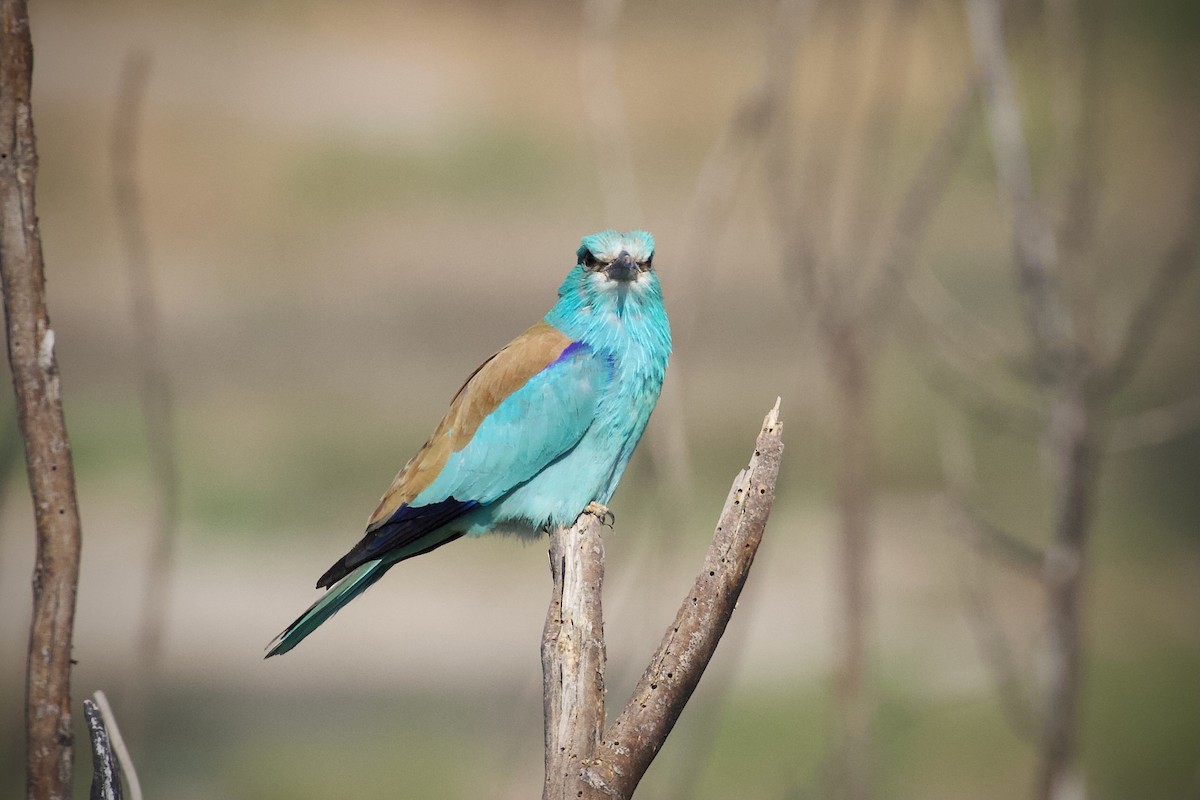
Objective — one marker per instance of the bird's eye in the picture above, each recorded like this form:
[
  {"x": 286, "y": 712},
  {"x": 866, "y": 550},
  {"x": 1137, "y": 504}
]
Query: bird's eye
[
  {"x": 589, "y": 261},
  {"x": 648, "y": 264}
]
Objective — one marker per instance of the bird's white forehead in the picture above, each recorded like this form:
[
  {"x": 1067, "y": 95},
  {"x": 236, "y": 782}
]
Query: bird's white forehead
[{"x": 607, "y": 245}]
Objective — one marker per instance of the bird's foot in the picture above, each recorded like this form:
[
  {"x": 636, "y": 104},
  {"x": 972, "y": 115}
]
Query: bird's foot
[{"x": 600, "y": 510}]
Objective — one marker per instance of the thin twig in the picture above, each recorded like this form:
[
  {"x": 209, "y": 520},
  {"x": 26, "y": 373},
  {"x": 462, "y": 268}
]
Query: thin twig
[
  {"x": 997, "y": 652},
  {"x": 958, "y": 469},
  {"x": 38, "y": 393},
  {"x": 958, "y": 377},
  {"x": 158, "y": 411},
  {"x": 1033, "y": 241},
  {"x": 1147, "y": 316},
  {"x": 899, "y": 251},
  {"x": 873, "y": 104},
  {"x": 991, "y": 539},
  {"x": 1075, "y": 40},
  {"x": 727, "y": 162},
  {"x": 952, "y": 325},
  {"x": 796, "y": 186}
]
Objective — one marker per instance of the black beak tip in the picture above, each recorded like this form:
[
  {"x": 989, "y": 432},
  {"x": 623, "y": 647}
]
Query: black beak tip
[{"x": 622, "y": 268}]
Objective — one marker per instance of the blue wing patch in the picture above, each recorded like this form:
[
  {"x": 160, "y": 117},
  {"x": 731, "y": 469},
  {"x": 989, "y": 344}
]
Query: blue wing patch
[{"x": 528, "y": 431}]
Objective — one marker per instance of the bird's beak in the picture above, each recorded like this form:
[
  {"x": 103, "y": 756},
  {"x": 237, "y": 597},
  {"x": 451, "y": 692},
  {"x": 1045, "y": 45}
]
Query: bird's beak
[{"x": 622, "y": 268}]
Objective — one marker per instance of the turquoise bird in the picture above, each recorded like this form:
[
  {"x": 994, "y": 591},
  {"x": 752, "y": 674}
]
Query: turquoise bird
[{"x": 539, "y": 431}]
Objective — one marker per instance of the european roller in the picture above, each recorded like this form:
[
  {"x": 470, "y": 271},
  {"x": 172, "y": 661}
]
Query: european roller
[{"x": 538, "y": 432}]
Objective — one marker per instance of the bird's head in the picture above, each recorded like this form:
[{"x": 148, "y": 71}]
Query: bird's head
[
  {"x": 613, "y": 270},
  {"x": 612, "y": 284},
  {"x": 619, "y": 257}
]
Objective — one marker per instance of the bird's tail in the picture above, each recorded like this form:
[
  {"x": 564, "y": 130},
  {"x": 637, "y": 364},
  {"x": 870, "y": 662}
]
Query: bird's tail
[{"x": 330, "y": 603}]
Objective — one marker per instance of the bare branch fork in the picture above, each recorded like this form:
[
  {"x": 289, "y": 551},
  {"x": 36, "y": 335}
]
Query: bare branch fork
[{"x": 583, "y": 758}]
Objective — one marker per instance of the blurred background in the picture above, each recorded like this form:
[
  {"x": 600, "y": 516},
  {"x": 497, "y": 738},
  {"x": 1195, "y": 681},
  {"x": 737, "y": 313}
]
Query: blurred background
[{"x": 348, "y": 206}]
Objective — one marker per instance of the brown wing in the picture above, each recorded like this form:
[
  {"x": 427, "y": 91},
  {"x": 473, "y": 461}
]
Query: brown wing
[{"x": 489, "y": 385}]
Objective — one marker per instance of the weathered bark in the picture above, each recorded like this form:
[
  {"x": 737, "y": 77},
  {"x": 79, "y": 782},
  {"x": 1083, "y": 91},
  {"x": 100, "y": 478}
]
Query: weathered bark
[
  {"x": 573, "y": 655},
  {"x": 618, "y": 761},
  {"x": 39, "y": 413}
]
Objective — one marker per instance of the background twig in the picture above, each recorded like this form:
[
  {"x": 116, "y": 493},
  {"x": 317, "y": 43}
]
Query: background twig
[{"x": 153, "y": 385}]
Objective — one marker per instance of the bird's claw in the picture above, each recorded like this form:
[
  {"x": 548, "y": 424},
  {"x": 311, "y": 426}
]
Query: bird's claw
[{"x": 600, "y": 510}]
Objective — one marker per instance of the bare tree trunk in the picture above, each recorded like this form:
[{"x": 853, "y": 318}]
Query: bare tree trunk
[
  {"x": 39, "y": 413},
  {"x": 852, "y": 779}
]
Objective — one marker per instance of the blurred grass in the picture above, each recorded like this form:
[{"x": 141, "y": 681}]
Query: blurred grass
[{"x": 488, "y": 167}]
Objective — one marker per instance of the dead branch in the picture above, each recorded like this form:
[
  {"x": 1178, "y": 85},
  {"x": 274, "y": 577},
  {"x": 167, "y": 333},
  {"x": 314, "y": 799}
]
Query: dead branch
[
  {"x": 106, "y": 778},
  {"x": 579, "y": 762},
  {"x": 632, "y": 741},
  {"x": 573, "y": 656},
  {"x": 39, "y": 413},
  {"x": 118, "y": 745}
]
